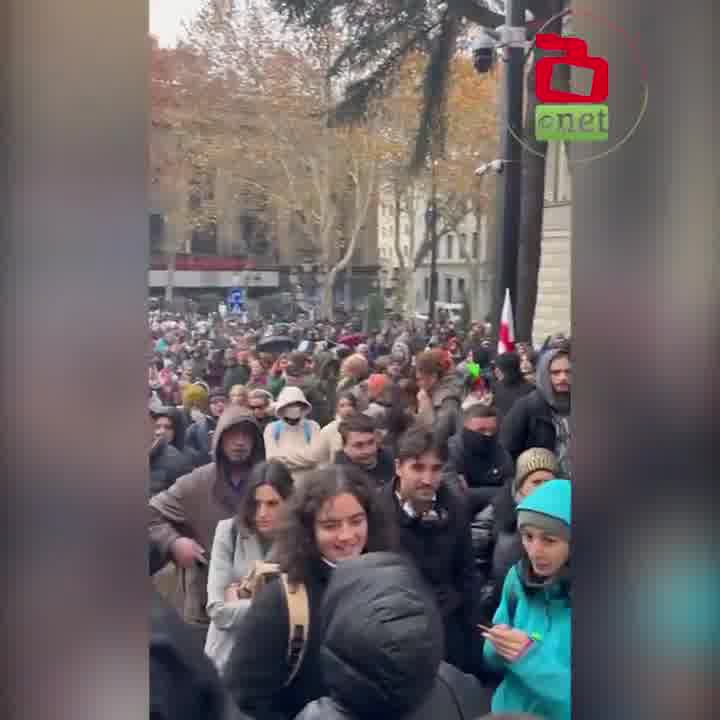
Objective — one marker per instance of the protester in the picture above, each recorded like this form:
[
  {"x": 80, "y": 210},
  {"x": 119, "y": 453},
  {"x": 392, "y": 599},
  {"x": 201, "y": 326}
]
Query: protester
[
  {"x": 380, "y": 396},
  {"x": 360, "y": 447},
  {"x": 332, "y": 516},
  {"x": 170, "y": 425},
  {"x": 435, "y": 533},
  {"x": 383, "y": 647},
  {"x": 496, "y": 543},
  {"x": 510, "y": 385},
  {"x": 542, "y": 418},
  {"x": 354, "y": 372},
  {"x": 299, "y": 374},
  {"x": 440, "y": 396},
  {"x": 195, "y": 403},
  {"x": 476, "y": 456},
  {"x": 239, "y": 396},
  {"x": 239, "y": 543},
  {"x": 183, "y": 518},
  {"x": 198, "y": 438},
  {"x": 257, "y": 379},
  {"x": 260, "y": 404},
  {"x": 293, "y": 431},
  {"x": 529, "y": 640},
  {"x": 236, "y": 372},
  {"x": 167, "y": 463}
]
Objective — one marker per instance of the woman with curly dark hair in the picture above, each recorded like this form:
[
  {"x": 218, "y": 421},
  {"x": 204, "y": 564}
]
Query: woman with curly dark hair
[{"x": 333, "y": 515}]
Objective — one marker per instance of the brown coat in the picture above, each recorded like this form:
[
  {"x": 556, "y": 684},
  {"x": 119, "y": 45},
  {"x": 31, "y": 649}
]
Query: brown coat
[{"x": 194, "y": 505}]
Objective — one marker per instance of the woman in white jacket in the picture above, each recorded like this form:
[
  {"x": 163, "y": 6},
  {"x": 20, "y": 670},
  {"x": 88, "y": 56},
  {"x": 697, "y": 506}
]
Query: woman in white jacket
[{"x": 239, "y": 543}]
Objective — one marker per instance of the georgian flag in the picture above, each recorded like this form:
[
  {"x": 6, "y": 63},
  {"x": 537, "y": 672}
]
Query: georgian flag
[{"x": 506, "y": 334}]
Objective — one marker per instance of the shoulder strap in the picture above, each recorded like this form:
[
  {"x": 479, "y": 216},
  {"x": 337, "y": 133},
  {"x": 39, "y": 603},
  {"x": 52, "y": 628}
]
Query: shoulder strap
[
  {"x": 308, "y": 431},
  {"x": 299, "y": 622},
  {"x": 276, "y": 430}
]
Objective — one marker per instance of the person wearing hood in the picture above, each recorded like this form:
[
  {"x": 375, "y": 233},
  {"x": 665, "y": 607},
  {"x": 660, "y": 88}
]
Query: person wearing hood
[
  {"x": 542, "y": 418},
  {"x": 293, "y": 432},
  {"x": 299, "y": 375},
  {"x": 510, "y": 385},
  {"x": 477, "y": 458},
  {"x": 382, "y": 649},
  {"x": 496, "y": 543},
  {"x": 198, "y": 438},
  {"x": 183, "y": 518},
  {"x": 440, "y": 395},
  {"x": 167, "y": 462},
  {"x": 530, "y": 639}
]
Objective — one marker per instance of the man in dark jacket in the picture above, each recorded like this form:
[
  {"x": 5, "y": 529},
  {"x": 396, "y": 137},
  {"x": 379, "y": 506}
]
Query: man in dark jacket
[
  {"x": 184, "y": 517},
  {"x": 476, "y": 456},
  {"x": 440, "y": 395},
  {"x": 510, "y": 385},
  {"x": 198, "y": 439},
  {"x": 382, "y": 649},
  {"x": 362, "y": 449},
  {"x": 435, "y": 532},
  {"x": 167, "y": 463},
  {"x": 236, "y": 373},
  {"x": 542, "y": 418}
]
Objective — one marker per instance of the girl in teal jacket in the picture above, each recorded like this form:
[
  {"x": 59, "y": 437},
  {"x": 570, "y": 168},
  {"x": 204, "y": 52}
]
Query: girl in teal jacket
[{"x": 529, "y": 641}]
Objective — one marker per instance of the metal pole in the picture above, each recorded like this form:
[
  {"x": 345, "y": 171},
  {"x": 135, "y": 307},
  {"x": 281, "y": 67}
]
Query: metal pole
[
  {"x": 433, "y": 250},
  {"x": 509, "y": 197}
]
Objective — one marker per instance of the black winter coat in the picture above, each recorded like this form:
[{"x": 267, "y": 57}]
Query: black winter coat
[
  {"x": 484, "y": 474},
  {"x": 257, "y": 670},
  {"x": 507, "y": 395},
  {"x": 382, "y": 649},
  {"x": 198, "y": 441},
  {"x": 443, "y": 554},
  {"x": 167, "y": 464},
  {"x": 382, "y": 474},
  {"x": 529, "y": 424},
  {"x": 183, "y": 682},
  {"x": 497, "y": 547}
]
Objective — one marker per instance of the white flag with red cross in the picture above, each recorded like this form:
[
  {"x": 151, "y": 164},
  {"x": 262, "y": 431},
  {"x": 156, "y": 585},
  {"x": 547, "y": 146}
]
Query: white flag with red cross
[{"x": 506, "y": 334}]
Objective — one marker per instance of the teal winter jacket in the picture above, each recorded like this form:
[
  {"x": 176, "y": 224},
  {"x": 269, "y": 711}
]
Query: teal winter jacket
[{"x": 538, "y": 682}]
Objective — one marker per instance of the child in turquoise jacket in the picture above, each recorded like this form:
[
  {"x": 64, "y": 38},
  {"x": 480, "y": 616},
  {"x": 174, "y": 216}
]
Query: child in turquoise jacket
[{"x": 529, "y": 641}]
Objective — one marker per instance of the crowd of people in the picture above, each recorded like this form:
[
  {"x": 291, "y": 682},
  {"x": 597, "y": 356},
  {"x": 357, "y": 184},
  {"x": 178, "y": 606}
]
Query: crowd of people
[{"x": 346, "y": 526}]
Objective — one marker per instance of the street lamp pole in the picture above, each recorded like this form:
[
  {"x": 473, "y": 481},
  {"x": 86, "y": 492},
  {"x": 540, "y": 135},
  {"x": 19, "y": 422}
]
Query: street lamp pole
[
  {"x": 509, "y": 197},
  {"x": 432, "y": 217}
]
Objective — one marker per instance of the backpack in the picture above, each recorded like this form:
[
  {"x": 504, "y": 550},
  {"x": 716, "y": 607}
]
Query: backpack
[
  {"x": 298, "y": 605},
  {"x": 277, "y": 428}
]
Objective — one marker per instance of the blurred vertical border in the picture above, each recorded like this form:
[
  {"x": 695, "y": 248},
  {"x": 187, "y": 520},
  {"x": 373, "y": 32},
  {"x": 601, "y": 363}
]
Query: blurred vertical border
[
  {"x": 645, "y": 344},
  {"x": 73, "y": 302}
]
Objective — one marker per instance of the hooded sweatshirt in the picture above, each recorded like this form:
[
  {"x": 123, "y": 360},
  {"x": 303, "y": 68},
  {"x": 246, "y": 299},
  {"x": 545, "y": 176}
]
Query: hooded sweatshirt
[
  {"x": 538, "y": 682},
  {"x": 195, "y": 503},
  {"x": 383, "y": 646},
  {"x": 560, "y": 408}
]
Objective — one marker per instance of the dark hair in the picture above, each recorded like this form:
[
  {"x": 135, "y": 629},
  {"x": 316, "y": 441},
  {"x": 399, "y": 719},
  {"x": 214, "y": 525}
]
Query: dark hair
[
  {"x": 429, "y": 363},
  {"x": 418, "y": 440},
  {"x": 478, "y": 410},
  {"x": 357, "y": 423},
  {"x": 260, "y": 394},
  {"x": 509, "y": 364},
  {"x": 296, "y": 549},
  {"x": 272, "y": 473},
  {"x": 350, "y": 397}
]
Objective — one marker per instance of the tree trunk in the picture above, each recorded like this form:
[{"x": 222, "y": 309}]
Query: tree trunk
[
  {"x": 533, "y": 202},
  {"x": 170, "y": 283}
]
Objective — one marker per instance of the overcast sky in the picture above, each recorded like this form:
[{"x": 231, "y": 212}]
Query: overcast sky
[{"x": 166, "y": 17}]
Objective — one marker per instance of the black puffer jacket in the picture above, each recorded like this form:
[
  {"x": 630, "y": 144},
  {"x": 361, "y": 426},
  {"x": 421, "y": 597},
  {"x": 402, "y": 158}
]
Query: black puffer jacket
[
  {"x": 382, "y": 649},
  {"x": 529, "y": 424},
  {"x": 497, "y": 547},
  {"x": 167, "y": 464}
]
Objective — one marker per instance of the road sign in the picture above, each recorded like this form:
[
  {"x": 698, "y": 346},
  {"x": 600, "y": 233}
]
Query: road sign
[{"x": 236, "y": 300}]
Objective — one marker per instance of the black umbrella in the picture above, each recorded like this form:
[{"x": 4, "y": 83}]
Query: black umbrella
[{"x": 276, "y": 344}]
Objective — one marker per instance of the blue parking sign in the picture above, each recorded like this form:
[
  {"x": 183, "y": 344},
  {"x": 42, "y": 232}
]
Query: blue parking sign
[{"x": 236, "y": 300}]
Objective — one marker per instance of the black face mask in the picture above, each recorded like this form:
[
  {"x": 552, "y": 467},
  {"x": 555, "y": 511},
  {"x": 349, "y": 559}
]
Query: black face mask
[
  {"x": 476, "y": 443},
  {"x": 292, "y": 421}
]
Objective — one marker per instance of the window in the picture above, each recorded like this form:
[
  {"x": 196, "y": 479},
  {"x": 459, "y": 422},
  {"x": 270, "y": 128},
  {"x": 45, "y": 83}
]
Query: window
[
  {"x": 204, "y": 240},
  {"x": 448, "y": 289},
  {"x": 157, "y": 232},
  {"x": 450, "y": 248},
  {"x": 476, "y": 245},
  {"x": 463, "y": 245},
  {"x": 427, "y": 288},
  {"x": 461, "y": 287}
]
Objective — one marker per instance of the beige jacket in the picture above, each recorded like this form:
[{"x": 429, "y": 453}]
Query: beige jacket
[{"x": 291, "y": 444}]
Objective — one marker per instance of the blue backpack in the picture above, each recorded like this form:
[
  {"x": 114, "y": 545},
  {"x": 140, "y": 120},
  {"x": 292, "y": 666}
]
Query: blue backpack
[{"x": 277, "y": 428}]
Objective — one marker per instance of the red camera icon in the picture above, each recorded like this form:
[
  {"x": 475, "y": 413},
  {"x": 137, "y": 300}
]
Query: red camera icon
[{"x": 576, "y": 55}]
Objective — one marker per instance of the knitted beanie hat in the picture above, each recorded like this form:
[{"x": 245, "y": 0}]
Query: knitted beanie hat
[{"x": 531, "y": 461}]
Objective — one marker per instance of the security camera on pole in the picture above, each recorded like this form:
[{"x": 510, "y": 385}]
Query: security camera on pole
[{"x": 510, "y": 39}]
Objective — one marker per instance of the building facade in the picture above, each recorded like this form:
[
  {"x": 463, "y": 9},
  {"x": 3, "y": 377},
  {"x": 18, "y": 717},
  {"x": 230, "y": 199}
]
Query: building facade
[{"x": 461, "y": 257}]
